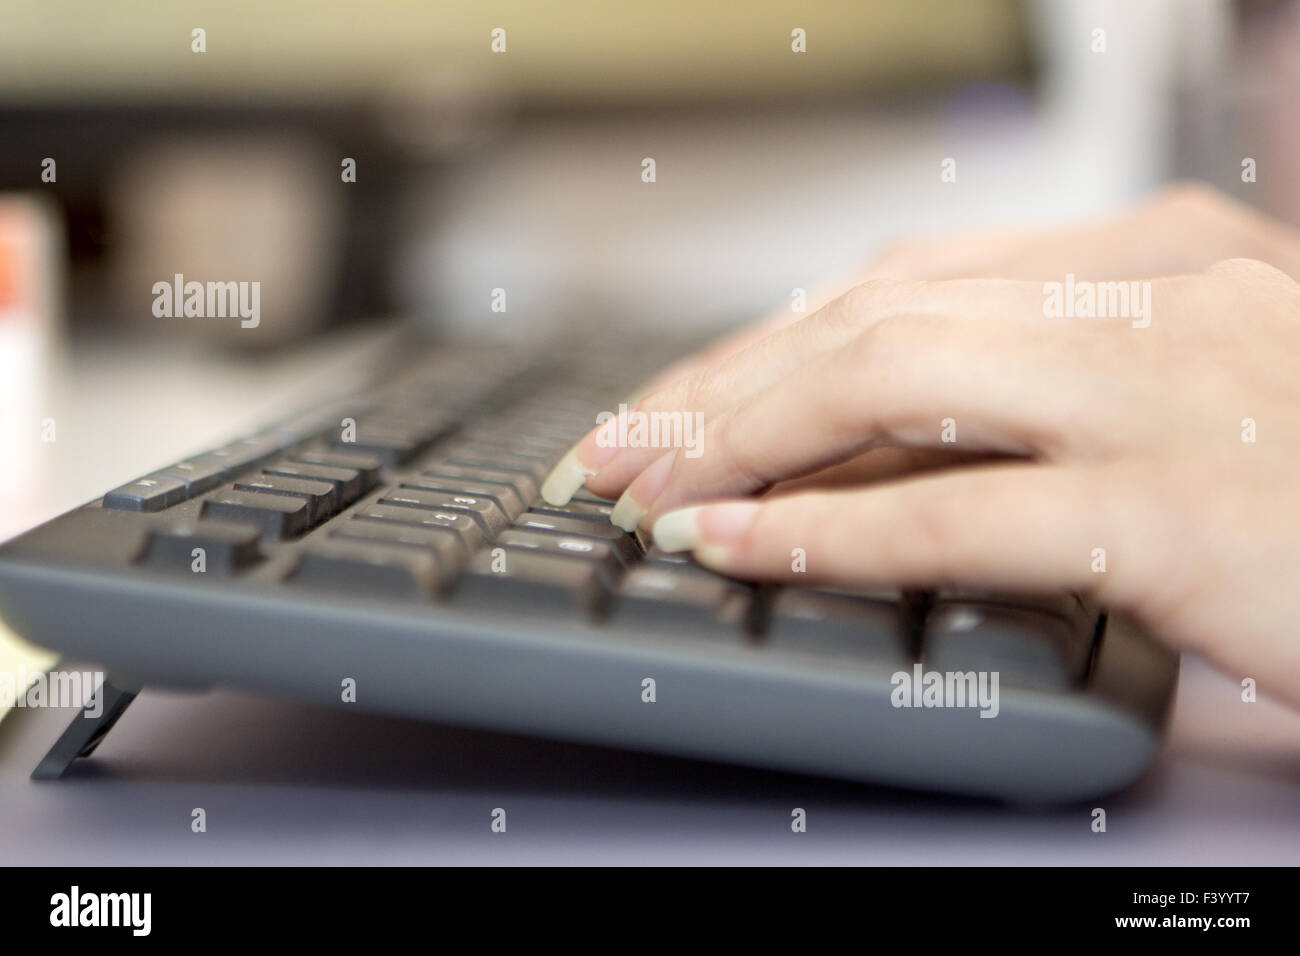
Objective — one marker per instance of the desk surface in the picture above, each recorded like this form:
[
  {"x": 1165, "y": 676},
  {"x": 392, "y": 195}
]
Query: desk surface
[{"x": 283, "y": 783}]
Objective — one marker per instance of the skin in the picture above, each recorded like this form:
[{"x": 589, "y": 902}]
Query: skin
[{"x": 826, "y": 432}]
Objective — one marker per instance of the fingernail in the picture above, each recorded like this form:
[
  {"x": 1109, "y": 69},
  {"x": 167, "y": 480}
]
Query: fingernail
[
  {"x": 710, "y": 527},
  {"x": 678, "y": 530},
  {"x": 627, "y": 512},
  {"x": 565, "y": 479},
  {"x": 578, "y": 464},
  {"x": 637, "y": 499}
]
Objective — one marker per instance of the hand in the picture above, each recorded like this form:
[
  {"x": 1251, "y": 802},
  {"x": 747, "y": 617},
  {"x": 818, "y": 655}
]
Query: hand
[
  {"x": 1185, "y": 228},
  {"x": 1174, "y": 448}
]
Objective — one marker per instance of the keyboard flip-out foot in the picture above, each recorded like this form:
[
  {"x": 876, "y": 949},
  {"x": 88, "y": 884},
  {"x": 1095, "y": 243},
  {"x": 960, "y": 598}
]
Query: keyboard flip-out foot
[{"x": 84, "y": 733}]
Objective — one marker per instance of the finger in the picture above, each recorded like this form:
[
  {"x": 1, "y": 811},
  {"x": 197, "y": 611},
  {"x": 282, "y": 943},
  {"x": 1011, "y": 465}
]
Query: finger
[
  {"x": 1015, "y": 527},
  {"x": 879, "y": 464},
  {"x": 979, "y": 387},
  {"x": 608, "y": 464}
]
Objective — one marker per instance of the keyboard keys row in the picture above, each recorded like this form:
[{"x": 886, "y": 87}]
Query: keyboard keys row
[
  {"x": 623, "y": 545},
  {"x": 462, "y": 527},
  {"x": 393, "y": 441},
  {"x": 352, "y": 473},
  {"x": 503, "y": 496},
  {"x": 322, "y": 497},
  {"x": 448, "y": 548},
  {"x": 584, "y": 510},
  {"x": 483, "y": 510},
  {"x": 150, "y": 493},
  {"x": 521, "y": 483}
]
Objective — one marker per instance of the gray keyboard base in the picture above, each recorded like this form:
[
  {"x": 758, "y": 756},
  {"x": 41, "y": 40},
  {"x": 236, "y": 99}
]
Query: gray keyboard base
[{"x": 507, "y": 673}]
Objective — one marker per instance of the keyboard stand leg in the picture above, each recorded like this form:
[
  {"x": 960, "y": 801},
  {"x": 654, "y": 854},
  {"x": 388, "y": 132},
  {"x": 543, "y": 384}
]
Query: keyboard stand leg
[{"x": 84, "y": 733}]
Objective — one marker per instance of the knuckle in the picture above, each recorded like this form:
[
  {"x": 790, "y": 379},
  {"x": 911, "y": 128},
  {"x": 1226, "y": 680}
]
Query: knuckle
[{"x": 867, "y": 301}]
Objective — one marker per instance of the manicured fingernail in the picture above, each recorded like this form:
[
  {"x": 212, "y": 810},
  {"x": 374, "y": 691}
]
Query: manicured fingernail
[
  {"x": 579, "y": 463},
  {"x": 678, "y": 530},
  {"x": 627, "y": 512},
  {"x": 710, "y": 527},
  {"x": 565, "y": 479},
  {"x": 632, "y": 506}
]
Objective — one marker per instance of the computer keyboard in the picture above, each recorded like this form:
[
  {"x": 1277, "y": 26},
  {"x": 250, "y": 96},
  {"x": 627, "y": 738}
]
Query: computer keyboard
[{"x": 394, "y": 543}]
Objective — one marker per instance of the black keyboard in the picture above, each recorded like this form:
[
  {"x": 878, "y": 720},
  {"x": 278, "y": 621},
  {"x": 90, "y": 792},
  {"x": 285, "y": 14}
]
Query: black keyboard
[{"x": 396, "y": 540}]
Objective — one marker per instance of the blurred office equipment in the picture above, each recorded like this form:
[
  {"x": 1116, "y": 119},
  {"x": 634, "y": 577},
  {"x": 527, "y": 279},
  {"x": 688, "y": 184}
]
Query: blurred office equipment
[{"x": 518, "y": 168}]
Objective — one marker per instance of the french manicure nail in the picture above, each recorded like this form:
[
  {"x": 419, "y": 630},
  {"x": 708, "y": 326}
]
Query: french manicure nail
[
  {"x": 678, "y": 530},
  {"x": 627, "y": 512},
  {"x": 565, "y": 479},
  {"x": 705, "y": 527}
]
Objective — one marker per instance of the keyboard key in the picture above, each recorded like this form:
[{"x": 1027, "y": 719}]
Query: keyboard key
[
  {"x": 242, "y": 454},
  {"x": 491, "y": 448},
  {"x": 150, "y": 493},
  {"x": 199, "y": 475},
  {"x": 588, "y": 549},
  {"x": 1063, "y": 605},
  {"x": 521, "y": 436},
  {"x": 346, "y": 481},
  {"x": 821, "y": 622},
  {"x": 657, "y": 555},
  {"x": 486, "y": 513},
  {"x": 525, "y": 487},
  {"x": 394, "y": 448},
  {"x": 668, "y": 599},
  {"x": 361, "y": 569},
  {"x": 575, "y": 509},
  {"x": 422, "y": 422},
  {"x": 586, "y": 497},
  {"x": 465, "y": 528},
  {"x": 624, "y": 544},
  {"x": 225, "y": 547},
  {"x": 368, "y": 466},
  {"x": 445, "y": 543},
  {"x": 471, "y": 458},
  {"x": 533, "y": 584},
  {"x": 279, "y": 516},
  {"x": 504, "y": 496},
  {"x": 296, "y": 431},
  {"x": 321, "y": 498},
  {"x": 1025, "y": 645}
]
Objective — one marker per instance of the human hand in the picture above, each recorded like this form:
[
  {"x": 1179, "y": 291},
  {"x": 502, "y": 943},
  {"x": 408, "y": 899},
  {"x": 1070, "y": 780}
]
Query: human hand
[
  {"x": 1187, "y": 227},
  {"x": 1173, "y": 447}
]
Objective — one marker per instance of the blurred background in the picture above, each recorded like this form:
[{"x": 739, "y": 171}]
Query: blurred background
[{"x": 500, "y": 145}]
